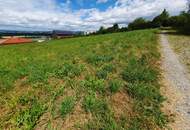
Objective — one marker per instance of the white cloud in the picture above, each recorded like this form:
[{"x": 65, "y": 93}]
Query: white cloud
[
  {"x": 101, "y": 1},
  {"x": 47, "y": 14}
]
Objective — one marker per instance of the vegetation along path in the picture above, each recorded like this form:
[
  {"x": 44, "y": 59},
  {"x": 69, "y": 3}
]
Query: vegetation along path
[{"x": 176, "y": 73}]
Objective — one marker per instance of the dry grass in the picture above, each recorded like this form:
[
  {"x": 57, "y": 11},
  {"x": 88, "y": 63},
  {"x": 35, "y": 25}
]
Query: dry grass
[{"x": 181, "y": 44}]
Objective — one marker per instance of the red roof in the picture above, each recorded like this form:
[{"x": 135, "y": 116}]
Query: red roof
[{"x": 16, "y": 40}]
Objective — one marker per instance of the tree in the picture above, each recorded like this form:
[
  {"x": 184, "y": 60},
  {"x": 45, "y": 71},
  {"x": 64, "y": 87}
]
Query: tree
[
  {"x": 115, "y": 27},
  {"x": 162, "y": 19},
  {"x": 102, "y": 30},
  {"x": 139, "y": 23},
  {"x": 188, "y": 4}
]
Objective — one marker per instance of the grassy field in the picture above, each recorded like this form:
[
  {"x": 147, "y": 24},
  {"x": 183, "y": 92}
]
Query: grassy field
[
  {"x": 105, "y": 82},
  {"x": 181, "y": 44}
]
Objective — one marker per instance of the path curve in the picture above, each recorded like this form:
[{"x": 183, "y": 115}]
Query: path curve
[{"x": 177, "y": 75}]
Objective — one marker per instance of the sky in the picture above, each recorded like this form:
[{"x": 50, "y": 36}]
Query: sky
[{"x": 80, "y": 15}]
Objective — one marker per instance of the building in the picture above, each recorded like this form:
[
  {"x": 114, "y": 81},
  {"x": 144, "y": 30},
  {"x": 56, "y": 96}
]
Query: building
[{"x": 14, "y": 40}]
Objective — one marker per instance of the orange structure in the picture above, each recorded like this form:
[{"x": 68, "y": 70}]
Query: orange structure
[{"x": 15, "y": 40}]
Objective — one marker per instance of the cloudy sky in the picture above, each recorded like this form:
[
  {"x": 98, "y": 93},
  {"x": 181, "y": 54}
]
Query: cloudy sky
[{"x": 83, "y": 15}]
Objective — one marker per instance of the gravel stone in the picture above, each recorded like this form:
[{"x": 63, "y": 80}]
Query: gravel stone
[{"x": 179, "y": 77}]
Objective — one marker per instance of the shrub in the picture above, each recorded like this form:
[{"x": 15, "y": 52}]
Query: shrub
[
  {"x": 115, "y": 85},
  {"x": 67, "y": 106}
]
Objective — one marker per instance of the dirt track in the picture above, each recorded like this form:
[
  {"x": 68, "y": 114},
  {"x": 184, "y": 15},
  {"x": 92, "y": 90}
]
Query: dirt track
[{"x": 176, "y": 74}]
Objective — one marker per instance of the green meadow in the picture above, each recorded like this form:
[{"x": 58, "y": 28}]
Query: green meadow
[{"x": 103, "y": 82}]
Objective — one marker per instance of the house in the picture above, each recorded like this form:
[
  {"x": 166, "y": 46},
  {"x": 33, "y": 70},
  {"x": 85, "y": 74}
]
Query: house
[
  {"x": 62, "y": 34},
  {"x": 15, "y": 40}
]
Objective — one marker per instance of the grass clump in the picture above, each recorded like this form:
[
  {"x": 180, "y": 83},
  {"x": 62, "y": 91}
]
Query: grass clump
[
  {"x": 139, "y": 70},
  {"x": 108, "y": 68},
  {"x": 142, "y": 91},
  {"x": 70, "y": 70},
  {"x": 67, "y": 106},
  {"x": 103, "y": 72},
  {"x": 25, "y": 100},
  {"x": 26, "y": 119},
  {"x": 103, "y": 117},
  {"x": 92, "y": 104},
  {"x": 143, "y": 86},
  {"x": 93, "y": 84},
  {"x": 99, "y": 59},
  {"x": 115, "y": 85}
]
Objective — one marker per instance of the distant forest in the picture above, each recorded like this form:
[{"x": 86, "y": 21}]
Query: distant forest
[{"x": 180, "y": 22}]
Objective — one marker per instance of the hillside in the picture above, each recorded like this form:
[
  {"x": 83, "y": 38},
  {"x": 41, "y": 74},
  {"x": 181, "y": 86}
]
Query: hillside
[{"x": 105, "y": 82}]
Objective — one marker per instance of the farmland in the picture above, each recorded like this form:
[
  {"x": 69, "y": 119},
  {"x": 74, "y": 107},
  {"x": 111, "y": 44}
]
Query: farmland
[{"x": 104, "y": 82}]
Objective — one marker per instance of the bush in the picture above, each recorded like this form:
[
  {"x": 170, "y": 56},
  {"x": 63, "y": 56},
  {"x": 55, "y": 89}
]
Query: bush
[{"x": 67, "y": 106}]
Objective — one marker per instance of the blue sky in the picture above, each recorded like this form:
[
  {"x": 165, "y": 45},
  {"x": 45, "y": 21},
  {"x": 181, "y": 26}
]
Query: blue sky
[
  {"x": 102, "y": 5},
  {"x": 85, "y": 15}
]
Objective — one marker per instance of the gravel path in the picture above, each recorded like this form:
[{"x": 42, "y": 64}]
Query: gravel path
[{"x": 177, "y": 74}]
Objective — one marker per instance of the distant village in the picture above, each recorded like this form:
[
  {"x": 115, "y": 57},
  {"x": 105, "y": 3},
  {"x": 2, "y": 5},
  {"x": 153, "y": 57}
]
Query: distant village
[{"x": 17, "y": 37}]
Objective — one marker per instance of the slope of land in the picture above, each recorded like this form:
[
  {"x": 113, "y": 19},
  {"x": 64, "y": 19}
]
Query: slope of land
[
  {"x": 107, "y": 82},
  {"x": 177, "y": 76}
]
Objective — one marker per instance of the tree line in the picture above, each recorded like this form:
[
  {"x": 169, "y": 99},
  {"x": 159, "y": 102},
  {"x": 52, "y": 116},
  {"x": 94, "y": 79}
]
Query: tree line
[{"x": 180, "y": 22}]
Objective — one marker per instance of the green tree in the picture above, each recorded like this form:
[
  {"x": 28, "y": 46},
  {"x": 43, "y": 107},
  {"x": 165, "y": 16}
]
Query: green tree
[
  {"x": 115, "y": 27},
  {"x": 138, "y": 23},
  {"x": 188, "y": 7},
  {"x": 102, "y": 30},
  {"x": 162, "y": 19}
]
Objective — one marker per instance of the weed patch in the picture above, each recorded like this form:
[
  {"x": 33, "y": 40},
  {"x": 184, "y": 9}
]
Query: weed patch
[
  {"x": 103, "y": 117},
  {"x": 137, "y": 70},
  {"x": 99, "y": 59},
  {"x": 104, "y": 71},
  {"x": 27, "y": 118},
  {"x": 93, "y": 84},
  {"x": 115, "y": 85},
  {"x": 70, "y": 70},
  {"x": 67, "y": 106}
]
